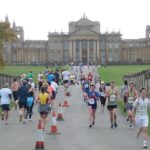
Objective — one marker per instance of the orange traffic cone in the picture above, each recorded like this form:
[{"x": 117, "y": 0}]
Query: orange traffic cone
[
  {"x": 60, "y": 115},
  {"x": 40, "y": 139},
  {"x": 53, "y": 128},
  {"x": 66, "y": 104}
]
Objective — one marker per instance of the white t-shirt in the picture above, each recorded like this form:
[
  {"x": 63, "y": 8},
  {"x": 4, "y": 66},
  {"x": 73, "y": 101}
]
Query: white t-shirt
[
  {"x": 66, "y": 75},
  {"x": 141, "y": 106},
  {"x": 54, "y": 85},
  {"x": 4, "y": 93}
]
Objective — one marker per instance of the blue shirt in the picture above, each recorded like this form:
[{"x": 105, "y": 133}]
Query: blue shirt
[{"x": 90, "y": 94}]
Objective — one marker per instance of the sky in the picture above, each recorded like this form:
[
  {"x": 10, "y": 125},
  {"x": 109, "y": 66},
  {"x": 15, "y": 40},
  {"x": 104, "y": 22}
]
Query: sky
[{"x": 38, "y": 17}]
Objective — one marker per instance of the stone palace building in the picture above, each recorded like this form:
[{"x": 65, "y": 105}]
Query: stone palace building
[{"x": 83, "y": 43}]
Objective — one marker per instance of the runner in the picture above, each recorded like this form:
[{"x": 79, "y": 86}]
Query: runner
[
  {"x": 140, "y": 115},
  {"x": 44, "y": 101},
  {"x": 65, "y": 78},
  {"x": 131, "y": 97},
  {"x": 102, "y": 90},
  {"x": 85, "y": 88},
  {"x": 90, "y": 76},
  {"x": 14, "y": 88},
  {"x": 5, "y": 96},
  {"x": 112, "y": 95},
  {"x": 30, "y": 102},
  {"x": 92, "y": 97},
  {"x": 22, "y": 97},
  {"x": 124, "y": 89}
]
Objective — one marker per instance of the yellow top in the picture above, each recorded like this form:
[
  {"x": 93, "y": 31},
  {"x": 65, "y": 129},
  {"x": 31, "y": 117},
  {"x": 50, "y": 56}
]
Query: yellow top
[{"x": 43, "y": 98}]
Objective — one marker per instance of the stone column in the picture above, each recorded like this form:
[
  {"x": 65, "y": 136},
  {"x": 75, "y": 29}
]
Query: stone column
[
  {"x": 70, "y": 50},
  {"x": 74, "y": 51},
  {"x": 88, "y": 50},
  {"x": 98, "y": 51},
  {"x": 80, "y": 50},
  {"x": 94, "y": 49}
]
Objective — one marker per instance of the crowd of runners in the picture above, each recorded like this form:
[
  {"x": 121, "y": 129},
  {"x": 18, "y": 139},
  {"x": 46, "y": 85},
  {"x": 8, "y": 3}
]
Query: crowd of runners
[{"x": 26, "y": 94}]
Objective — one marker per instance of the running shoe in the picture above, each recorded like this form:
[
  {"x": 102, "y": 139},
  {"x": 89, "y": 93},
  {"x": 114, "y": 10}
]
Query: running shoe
[
  {"x": 115, "y": 124},
  {"x": 111, "y": 126},
  {"x": 90, "y": 126},
  {"x": 145, "y": 145},
  {"x": 127, "y": 119},
  {"x": 130, "y": 126}
]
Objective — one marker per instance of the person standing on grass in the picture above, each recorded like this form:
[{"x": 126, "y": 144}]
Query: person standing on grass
[
  {"x": 5, "y": 97},
  {"x": 132, "y": 95},
  {"x": 140, "y": 115},
  {"x": 112, "y": 96},
  {"x": 14, "y": 88}
]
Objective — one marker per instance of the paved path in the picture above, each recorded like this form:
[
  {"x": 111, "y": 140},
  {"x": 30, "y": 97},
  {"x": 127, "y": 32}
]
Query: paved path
[{"x": 75, "y": 133}]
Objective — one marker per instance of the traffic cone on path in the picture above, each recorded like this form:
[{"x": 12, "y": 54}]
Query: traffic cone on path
[
  {"x": 40, "y": 139},
  {"x": 53, "y": 128},
  {"x": 60, "y": 115},
  {"x": 66, "y": 104}
]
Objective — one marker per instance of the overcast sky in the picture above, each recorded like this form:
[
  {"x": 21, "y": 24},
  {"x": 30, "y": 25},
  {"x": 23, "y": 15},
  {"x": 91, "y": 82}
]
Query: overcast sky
[{"x": 38, "y": 17}]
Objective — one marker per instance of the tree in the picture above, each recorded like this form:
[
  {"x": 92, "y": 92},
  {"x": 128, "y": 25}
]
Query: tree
[{"x": 6, "y": 35}]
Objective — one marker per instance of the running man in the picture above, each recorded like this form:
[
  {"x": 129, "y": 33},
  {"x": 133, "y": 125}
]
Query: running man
[
  {"x": 92, "y": 97},
  {"x": 14, "y": 88},
  {"x": 140, "y": 115},
  {"x": 5, "y": 97},
  {"x": 112, "y": 96},
  {"x": 22, "y": 97},
  {"x": 132, "y": 95}
]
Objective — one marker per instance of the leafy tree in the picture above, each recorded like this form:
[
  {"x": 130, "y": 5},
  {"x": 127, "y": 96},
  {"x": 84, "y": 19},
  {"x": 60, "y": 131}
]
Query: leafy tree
[{"x": 6, "y": 34}]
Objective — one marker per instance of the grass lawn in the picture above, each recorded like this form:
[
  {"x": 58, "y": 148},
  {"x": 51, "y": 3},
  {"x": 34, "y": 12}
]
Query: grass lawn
[
  {"x": 18, "y": 70},
  {"x": 116, "y": 72}
]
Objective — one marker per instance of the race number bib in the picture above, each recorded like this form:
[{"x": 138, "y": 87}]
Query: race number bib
[
  {"x": 130, "y": 99},
  {"x": 91, "y": 101},
  {"x": 112, "y": 98},
  {"x": 86, "y": 85},
  {"x": 143, "y": 109},
  {"x": 103, "y": 94}
]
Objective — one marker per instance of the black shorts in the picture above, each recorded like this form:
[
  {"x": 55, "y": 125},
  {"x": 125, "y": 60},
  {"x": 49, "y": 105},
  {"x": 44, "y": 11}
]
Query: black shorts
[
  {"x": 5, "y": 107},
  {"x": 94, "y": 106},
  {"x": 15, "y": 95},
  {"x": 102, "y": 100},
  {"x": 22, "y": 104},
  {"x": 111, "y": 107},
  {"x": 65, "y": 81}
]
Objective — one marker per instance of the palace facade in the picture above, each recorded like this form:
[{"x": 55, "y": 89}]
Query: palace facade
[{"x": 83, "y": 43}]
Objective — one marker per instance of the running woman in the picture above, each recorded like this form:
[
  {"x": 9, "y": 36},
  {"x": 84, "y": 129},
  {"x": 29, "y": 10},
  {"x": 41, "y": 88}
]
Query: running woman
[
  {"x": 112, "y": 96},
  {"x": 102, "y": 91},
  {"x": 132, "y": 95},
  {"x": 92, "y": 104},
  {"x": 140, "y": 113},
  {"x": 44, "y": 101}
]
